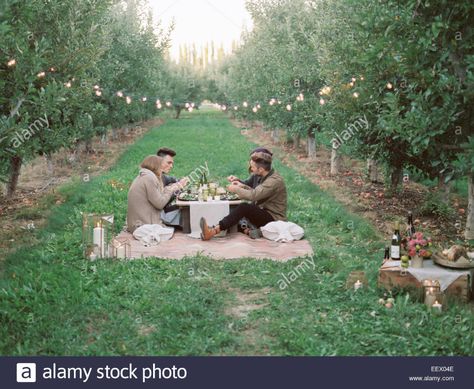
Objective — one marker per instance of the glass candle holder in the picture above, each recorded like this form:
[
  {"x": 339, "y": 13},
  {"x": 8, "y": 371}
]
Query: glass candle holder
[{"x": 97, "y": 231}]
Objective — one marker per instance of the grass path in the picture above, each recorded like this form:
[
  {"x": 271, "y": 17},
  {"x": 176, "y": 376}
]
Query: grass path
[{"x": 54, "y": 302}]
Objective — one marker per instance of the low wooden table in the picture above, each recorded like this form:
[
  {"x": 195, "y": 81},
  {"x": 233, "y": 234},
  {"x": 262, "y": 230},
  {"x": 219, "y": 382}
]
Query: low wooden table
[
  {"x": 390, "y": 278},
  {"x": 185, "y": 221}
]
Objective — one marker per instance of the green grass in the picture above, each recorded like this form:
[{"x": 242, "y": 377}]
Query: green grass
[{"x": 54, "y": 302}]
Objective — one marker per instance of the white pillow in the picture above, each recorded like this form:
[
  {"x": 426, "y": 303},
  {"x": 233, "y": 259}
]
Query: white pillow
[
  {"x": 152, "y": 234},
  {"x": 281, "y": 231}
]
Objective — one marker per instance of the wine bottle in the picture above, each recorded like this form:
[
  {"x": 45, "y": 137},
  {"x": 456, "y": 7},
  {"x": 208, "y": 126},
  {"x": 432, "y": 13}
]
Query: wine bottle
[
  {"x": 411, "y": 227},
  {"x": 396, "y": 242}
]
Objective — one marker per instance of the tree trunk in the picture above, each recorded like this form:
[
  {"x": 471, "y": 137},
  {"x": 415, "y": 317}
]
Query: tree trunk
[
  {"x": 297, "y": 140},
  {"x": 276, "y": 135},
  {"x": 469, "y": 233},
  {"x": 49, "y": 164},
  {"x": 335, "y": 162},
  {"x": 311, "y": 143},
  {"x": 395, "y": 178},
  {"x": 88, "y": 148},
  {"x": 15, "y": 166},
  {"x": 372, "y": 170},
  {"x": 443, "y": 187},
  {"x": 178, "y": 112}
]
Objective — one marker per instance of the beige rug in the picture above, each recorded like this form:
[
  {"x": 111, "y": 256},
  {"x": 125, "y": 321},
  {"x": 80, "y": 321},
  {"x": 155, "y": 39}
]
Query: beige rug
[{"x": 235, "y": 245}]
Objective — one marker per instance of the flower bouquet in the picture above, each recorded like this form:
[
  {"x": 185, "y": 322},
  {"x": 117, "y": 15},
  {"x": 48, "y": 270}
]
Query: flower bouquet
[{"x": 419, "y": 245}]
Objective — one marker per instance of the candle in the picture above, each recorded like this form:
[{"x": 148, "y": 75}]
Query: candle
[
  {"x": 99, "y": 239},
  {"x": 357, "y": 285},
  {"x": 437, "y": 306},
  {"x": 120, "y": 251},
  {"x": 92, "y": 257}
]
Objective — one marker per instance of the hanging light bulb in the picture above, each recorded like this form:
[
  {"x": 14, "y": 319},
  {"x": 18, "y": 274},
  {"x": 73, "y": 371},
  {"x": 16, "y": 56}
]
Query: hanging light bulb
[
  {"x": 259, "y": 106},
  {"x": 236, "y": 108},
  {"x": 288, "y": 107},
  {"x": 41, "y": 74},
  {"x": 168, "y": 103},
  {"x": 245, "y": 104},
  {"x": 322, "y": 101},
  {"x": 11, "y": 63},
  {"x": 98, "y": 93},
  {"x": 119, "y": 94},
  {"x": 389, "y": 85},
  {"x": 68, "y": 84},
  {"x": 96, "y": 87},
  {"x": 186, "y": 105},
  {"x": 128, "y": 99},
  {"x": 355, "y": 94},
  {"x": 190, "y": 109},
  {"x": 144, "y": 99},
  {"x": 52, "y": 69},
  {"x": 353, "y": 79},
  {"x": 224, "y": 107},
  {"x": 362, "y": 78},
  {"x": 254, "y": 109}
]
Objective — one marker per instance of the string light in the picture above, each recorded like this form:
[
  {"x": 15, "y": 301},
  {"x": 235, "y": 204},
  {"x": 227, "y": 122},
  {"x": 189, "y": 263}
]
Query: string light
[
  {"x": 190, "y": 109},
  {"x": 186, "y": 105},
  {"x": 119, "y": 94},
  {"x": 224, "y": 107},
  {"x": 279, "y": 102},
  {"x": 355, "y": 94},
  {"x": 11, "y": 63},
  {"x": 322, "y": 101},
  {"x": 68, "y": 84},
  {"x": 168, "y": 103},
  {"x": 389, "y": 85},
  {"x": 259, "y": 106},
  {"x": 353, "y": 79},
  {"x": 96, "y": 87},
  {"x": 362, "y": 78},
  {"x": 236, "y": 108},
  {"x": 351, "y": 83},
  {"x": 41, "y": 74},
  {"x": 272, "y": 101},
  {"x": 288, "y": 107},
  {"x": 98, "y": 93},
  {"x": 144, "y": 99},
  {"x": 52, "y": 69},
  {"x": 254, "y": 109},
  {"x": 192, "y": 105},
  {"x": 128, "y": 99},
  {"x": 245, "y": 104},
  {"x": 300, "y": 97}
]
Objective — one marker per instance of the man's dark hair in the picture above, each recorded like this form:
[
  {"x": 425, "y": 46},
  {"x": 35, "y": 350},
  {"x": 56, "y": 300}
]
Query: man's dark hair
[
  {"x": 262, "y": 160},
  {"x": 261, "y": 150},
  {"x": 164, "y": 151}
]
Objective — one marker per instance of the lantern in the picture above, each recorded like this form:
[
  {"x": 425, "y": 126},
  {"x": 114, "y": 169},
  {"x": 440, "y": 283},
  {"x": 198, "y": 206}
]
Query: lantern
[
  {"x": 97, "y": 231},
  {"x": 121, "y": 248},
  {"x": 432, "y": 292}
]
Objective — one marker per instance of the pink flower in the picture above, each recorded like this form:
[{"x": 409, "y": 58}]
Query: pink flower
[
  {"x": 412, "y": 252},
  {"x": 418, "y": 235},
  {"x": 422, "y": 252}
]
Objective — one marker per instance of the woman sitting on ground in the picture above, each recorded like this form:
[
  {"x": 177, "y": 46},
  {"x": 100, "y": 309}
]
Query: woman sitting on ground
[{"x": 147, "y": 195}]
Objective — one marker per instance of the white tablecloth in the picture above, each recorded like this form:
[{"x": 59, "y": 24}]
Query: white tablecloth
[
  {"x": 212, "y": 211},
  {"x": 431, "y": 271}
]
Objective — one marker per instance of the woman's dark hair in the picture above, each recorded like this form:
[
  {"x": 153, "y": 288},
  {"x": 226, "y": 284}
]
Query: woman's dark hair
[
  {"x": 164, "y": 151},
  {"x": 263, "y": 160}
]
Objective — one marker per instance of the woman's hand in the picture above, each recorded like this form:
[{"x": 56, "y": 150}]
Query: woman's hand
[{"x": 183, "y": 182}]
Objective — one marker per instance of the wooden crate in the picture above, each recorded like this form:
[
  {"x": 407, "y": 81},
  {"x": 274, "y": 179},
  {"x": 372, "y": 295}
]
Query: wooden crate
[{"x": 390, "y": 279}]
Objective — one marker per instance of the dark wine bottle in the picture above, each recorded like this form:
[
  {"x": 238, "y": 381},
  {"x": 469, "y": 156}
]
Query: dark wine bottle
[
  {"x": 411, "y": 227},
  {"x": 396, "y": 242},
  {"x": 387, "y": 253}
]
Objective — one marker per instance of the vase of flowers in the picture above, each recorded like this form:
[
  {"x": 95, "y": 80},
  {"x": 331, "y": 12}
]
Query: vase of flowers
[{"x": 419, "y": 248}]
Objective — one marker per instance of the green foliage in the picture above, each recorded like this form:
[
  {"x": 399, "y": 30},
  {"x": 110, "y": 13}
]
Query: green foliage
[{"x": 434, "y": 204}]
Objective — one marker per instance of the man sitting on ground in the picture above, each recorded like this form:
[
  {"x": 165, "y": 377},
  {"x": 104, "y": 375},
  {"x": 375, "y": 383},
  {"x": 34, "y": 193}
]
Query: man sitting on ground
[
  {"x": 268, "y": 199},
  {"x": 170, "y": 213}
]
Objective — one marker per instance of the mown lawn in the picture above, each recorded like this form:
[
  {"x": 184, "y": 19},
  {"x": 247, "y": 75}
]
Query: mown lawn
[{"x": 53, "y": 302}]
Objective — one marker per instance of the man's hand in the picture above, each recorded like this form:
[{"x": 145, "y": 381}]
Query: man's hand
[
  {"x": 183, "y": 182},
  {"x": 233, "y": 187},
  {"x": 232, "y": 178}
]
